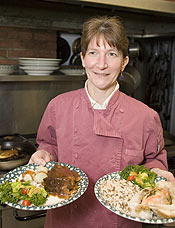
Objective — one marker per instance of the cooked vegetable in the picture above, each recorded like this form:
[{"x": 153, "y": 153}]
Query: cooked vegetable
[
  {"x": 139, "y": 175},
  {"x": 24, "y": 191},
  {"x": 26, "y": 203},
  {"x": 15, "y": 191},
  {"x": 132, "y": 177},
  {"x": 38, "y": 199}
]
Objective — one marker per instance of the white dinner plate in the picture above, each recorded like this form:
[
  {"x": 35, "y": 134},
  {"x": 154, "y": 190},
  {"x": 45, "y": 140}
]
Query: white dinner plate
[
  {"x": 116, "y": 175},
  {"x": 14, "y": 174},
  {"x": 40, "y": 61}
]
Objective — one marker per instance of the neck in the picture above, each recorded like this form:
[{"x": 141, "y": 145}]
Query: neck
[{"x": 100, "y": 95}]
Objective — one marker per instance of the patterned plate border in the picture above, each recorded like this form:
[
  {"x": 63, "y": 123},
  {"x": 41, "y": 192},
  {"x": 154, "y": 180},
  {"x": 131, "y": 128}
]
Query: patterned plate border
[
  {"x": 15, "y": 173},
  {"x": 116, "y": 175}
]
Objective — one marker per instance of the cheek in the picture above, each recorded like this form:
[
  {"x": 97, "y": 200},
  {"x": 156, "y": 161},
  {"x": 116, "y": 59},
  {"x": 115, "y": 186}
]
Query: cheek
[
  {"x": 115, "y": 67},
  {"x": 89, "y": 63}
]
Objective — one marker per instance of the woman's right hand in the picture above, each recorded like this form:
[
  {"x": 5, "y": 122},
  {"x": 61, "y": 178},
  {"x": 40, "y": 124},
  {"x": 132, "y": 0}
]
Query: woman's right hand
[{"x": 40, "y": 157}]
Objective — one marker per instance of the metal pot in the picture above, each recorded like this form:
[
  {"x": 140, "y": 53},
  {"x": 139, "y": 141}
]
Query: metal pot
[
  {"x": 76, "y": 46},
  {"x": 134, "y": 49},
  {"x": 130, "y": 80},
  {"x": 63, "y": 50}
]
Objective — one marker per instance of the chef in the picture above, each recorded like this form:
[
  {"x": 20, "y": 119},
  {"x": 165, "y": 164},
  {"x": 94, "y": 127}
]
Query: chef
[{"x": 98, "y": 128}]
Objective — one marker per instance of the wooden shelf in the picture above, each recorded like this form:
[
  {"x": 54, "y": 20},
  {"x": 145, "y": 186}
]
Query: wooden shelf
[
  {"x": 161, "y": 6},
  {"x": 28, "y": 78}
]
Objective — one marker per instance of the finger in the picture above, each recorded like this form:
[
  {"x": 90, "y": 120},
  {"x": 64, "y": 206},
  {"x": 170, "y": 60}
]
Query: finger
[
  {"x": 170, "y": 177},
  {"x": 47, "y": 157},
  {"x": 37, "y": 160}
]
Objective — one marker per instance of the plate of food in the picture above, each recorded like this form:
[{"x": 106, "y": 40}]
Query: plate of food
[
  {"x": 137, "y": 194},
  {"x": 34, "y": 187}
]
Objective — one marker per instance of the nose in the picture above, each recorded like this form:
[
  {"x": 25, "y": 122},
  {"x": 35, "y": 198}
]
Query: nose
[{"x": 102, "y": 62}]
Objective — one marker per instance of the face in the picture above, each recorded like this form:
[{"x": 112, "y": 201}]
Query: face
[{"x": 103, "y": 64}]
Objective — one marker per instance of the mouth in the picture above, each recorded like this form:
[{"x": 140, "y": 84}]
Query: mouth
[{"x": 101, "y": 74}]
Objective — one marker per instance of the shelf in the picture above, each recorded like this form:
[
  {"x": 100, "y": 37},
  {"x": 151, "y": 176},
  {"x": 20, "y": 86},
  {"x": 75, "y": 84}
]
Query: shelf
[
  {"x": 28, "y": 78},
  {"x": 158, "y": 6}
]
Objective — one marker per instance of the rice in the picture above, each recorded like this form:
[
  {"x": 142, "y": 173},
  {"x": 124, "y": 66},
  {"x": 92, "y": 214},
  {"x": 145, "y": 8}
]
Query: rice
[{"x": 117, "y": 193}]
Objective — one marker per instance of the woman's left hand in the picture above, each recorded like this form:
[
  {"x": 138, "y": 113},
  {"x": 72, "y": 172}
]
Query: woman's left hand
[{"x": 163, "y": 173}]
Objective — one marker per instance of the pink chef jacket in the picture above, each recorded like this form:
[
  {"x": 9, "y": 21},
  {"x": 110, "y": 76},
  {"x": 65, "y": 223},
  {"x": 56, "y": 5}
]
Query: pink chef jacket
[{"x": 99, "y": 142}]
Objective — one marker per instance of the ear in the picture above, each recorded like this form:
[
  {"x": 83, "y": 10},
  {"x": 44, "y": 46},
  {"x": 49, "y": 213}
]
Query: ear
[
  {"x": 82, "y": 59},
  {"x": 125, "y": 62}
]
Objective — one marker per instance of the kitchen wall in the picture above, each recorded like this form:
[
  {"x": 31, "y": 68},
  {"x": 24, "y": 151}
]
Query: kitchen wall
[
  {"x": 29, "y": 29},
  {"x": 26, "y": 42}
]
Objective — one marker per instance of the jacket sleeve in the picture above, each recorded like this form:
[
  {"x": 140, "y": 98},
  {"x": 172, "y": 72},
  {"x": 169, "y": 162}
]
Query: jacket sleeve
[
  {"x": 46, "y": 136},
  {"x": 155, "y": 153}
]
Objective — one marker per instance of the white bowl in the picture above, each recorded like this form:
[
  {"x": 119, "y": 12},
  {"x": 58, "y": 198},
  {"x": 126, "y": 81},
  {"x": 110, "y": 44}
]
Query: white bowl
[
  {"x": 39, "y": 61},
  {"x": 39, "y": 67},
  {"x": 39, "y": 70},
  {"x": 38, "y": 73},
  {"x": 6, "y": 69},
  {"x": 72, "y": 71}
]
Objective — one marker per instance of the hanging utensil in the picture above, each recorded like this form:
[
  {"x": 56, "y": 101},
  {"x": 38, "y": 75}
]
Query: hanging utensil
[
  {"x": 76, "y": 46},
  {"x": 63, "y": 50},
  {"x": 134, "y": 49}
]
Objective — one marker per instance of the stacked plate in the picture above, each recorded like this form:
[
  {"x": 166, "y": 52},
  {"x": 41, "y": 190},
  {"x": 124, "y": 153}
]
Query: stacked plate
[
  {"x": 6, "y": 69},
  {"x": 72, "y": 70},
  {"x": 39, "y": 66}
]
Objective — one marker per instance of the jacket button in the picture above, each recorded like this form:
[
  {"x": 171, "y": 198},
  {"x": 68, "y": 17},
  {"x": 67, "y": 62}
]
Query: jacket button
[
  {"x": 121, "y": 110},
  {"x": 75, "y": 205},
  {"x": 113, "y": 160},
  {"x": 76, "y": 155},
  {"x": 75, "y": 130}
]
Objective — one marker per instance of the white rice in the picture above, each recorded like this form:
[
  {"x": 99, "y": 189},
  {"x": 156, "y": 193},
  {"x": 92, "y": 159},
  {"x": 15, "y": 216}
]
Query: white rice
[{"x": 117, "y": 193}]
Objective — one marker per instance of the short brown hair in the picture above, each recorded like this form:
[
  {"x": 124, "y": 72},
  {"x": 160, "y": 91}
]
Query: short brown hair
[{"x": 112, "y": 30}]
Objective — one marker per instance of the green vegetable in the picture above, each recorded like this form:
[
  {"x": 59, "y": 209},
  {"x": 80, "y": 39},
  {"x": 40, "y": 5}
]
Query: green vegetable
[
  {"x": 38, "y": 199},
  {"x": 6, "y": 193},
  {"x": 12, "y": 192},
  {"x": 145, "y": 178}
]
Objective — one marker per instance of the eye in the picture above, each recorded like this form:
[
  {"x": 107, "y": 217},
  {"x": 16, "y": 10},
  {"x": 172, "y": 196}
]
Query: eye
[
  {"x": 112, "y": 54},
  {"x": 92, "y": 53}
]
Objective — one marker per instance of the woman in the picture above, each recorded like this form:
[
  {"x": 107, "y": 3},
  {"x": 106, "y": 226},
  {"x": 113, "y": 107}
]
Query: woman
[{"x": 99, "y": 129}]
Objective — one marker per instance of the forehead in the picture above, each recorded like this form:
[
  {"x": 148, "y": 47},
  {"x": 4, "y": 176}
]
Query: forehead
[{"x": 100, "y": 41}]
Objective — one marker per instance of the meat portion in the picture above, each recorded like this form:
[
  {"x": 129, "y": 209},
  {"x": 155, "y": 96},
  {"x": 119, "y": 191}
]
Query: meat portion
[
  {"x": 8, "y": 153},
  {"x": 157, "y": 196},
  {"x": 61, "y": 181}
]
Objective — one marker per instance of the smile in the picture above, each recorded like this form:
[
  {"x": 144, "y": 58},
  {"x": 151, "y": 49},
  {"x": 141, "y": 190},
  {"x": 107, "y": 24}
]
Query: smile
[{"x": 101, "y": 74}]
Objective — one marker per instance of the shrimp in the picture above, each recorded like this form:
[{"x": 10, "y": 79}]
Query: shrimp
[
  {"x": 170, "y": 186},
  {"x": 157, "y": 196}
]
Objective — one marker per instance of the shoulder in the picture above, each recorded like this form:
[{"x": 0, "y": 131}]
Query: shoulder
[
  {"x": 65, "y": 101},
  {"x": 67, "y": 96},
  {"x": 138, "y": 108},
  {"x": 133, "y": 102},
  {"x": 140, "y": 115}
]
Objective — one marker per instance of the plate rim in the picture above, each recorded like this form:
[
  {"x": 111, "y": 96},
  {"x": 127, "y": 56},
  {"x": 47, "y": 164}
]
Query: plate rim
[
  {"x": 113, "y": 175},
  {"x": 84, "y": 182}
]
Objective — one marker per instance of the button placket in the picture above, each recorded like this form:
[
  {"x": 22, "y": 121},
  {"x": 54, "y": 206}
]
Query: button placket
[{"x": 76, "y": 137}]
